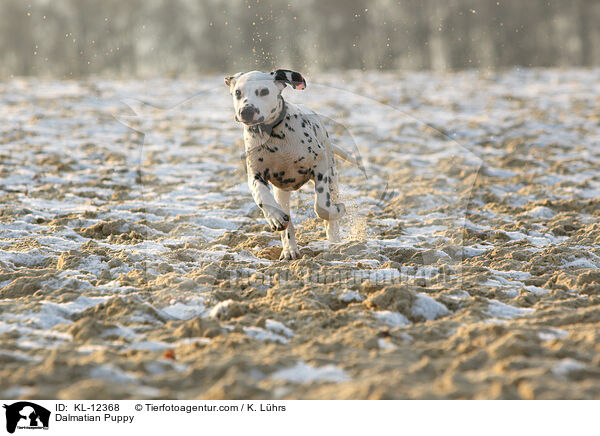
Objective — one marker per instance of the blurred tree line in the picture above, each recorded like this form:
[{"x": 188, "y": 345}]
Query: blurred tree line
[{"x": 73, "y": 38}]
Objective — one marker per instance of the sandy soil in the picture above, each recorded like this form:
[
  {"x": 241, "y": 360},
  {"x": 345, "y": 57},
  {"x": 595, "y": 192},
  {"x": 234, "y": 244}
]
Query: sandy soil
[{"x": 134, "y": 264}]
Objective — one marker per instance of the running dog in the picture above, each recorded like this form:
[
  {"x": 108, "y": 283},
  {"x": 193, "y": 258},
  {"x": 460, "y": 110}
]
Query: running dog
[{"x": 285, "y": 145}]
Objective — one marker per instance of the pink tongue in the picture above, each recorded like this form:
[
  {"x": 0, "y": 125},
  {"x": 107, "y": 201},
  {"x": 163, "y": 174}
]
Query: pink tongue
[{"x": 300, "y": 86}]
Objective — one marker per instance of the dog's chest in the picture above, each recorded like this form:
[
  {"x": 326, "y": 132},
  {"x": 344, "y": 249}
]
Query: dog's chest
[
  {"x": 285, "y": 164},
  {"x": 288, "y": 155}
]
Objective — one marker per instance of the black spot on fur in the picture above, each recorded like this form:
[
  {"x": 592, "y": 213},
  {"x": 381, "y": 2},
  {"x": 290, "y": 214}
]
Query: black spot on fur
[
  {"x": 319, "y": 176},
  {"x": 259, "y": 178},
  {"x": 296, "y": 77},
  {"x": 280, "y": 75},
  {"x": 320, "y": 189},
  {"x": 328, "y": 203}
]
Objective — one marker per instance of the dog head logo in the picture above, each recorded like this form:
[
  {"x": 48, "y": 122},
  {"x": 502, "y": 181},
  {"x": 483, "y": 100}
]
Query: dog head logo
[{"x": 26, "y": 415}]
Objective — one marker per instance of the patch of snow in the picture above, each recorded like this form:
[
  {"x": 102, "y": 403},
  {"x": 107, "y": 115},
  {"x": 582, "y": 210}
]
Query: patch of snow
[
  {"x": 265, "y": 335},
  {"x": 278, "y": 327},
  {"x": 112, "y": 373},
  {"x": 537, "y": 290},
  {"x": 348, "y": 296},
  {"x": 385, "y": 344},
  {"x": 305, "y": 373},
  {"x": 17, "y": 356},
  {"x": 52, "y": 314},
  {"x": 378, "y": 275},
  {"x": 391, "y": 319},
  {"x": 567, "y": 365},
  {"x": 516, "y": 275},
  {"x": 498, "y": 172},
  {"x": 541, "y": 212},
  {"x": 580, "y": 263},
  {"x": 220, "y": 308},
  {"x": 498, "y": 309},
  {"x": 467, "y": 252},
  {"x": 426, "y": 307},
  {"x": 459, "y": 295},
  {"x": 15, "y": 392},
  {"x": 193, "y": 308},
  {"x": 150, "y": 345},
  {"x": 552, "y": 334}
]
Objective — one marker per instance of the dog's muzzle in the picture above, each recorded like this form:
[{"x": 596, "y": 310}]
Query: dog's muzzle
[{"x": 247, "y": 113}]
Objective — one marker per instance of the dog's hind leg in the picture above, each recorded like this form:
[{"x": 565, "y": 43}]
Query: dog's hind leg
[
  {"x": 332, "y": 227},
  {"x": 288, "y": 237},
  {"x": 326, "y": 193}
]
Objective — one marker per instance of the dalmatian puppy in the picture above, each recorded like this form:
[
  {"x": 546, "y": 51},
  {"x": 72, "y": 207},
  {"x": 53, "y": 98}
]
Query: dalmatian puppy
[{"x": 286, "y": 145}]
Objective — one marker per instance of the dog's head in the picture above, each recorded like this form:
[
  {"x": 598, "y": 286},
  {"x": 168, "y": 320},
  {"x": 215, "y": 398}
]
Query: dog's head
[{"x": 256, "y": 95}]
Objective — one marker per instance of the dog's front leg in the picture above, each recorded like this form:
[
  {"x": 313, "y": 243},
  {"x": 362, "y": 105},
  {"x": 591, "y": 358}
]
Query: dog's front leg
[
  {"x": 277, "y": 219},
  {"x": 289, "y": 249}
]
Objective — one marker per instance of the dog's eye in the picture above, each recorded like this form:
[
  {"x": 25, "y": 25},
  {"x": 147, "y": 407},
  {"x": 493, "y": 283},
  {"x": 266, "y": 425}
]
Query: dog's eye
[
  {"x": 238, "y": 94},
  {"x": 264, "y": 92}
]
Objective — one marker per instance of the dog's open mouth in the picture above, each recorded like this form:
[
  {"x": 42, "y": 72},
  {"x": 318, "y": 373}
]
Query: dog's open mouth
[{"x": 260, "y": 120}]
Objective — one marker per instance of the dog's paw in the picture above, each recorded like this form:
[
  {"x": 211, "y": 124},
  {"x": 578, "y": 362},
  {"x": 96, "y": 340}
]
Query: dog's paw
[
  {"x": 290, "y": 253},
  {"x": 276, "y": 218}
]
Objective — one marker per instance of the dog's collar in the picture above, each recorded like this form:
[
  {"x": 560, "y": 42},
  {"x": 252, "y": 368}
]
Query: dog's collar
[{"x": 268, "y": 128}]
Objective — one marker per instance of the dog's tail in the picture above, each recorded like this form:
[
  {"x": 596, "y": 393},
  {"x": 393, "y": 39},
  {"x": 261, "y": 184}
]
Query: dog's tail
[{"x": 356, "y": 160}]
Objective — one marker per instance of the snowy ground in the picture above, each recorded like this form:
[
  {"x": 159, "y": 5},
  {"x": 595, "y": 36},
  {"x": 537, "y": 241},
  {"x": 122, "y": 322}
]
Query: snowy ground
[{"x": 134, "y": 264}]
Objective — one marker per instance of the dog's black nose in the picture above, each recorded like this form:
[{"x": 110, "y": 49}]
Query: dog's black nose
[{"x": 247, "y": 113}]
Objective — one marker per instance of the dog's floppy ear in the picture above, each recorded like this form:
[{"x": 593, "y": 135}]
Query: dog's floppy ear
[
  {"x": 230, "y": 80},
  {"x": 289, "y": 77}
]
